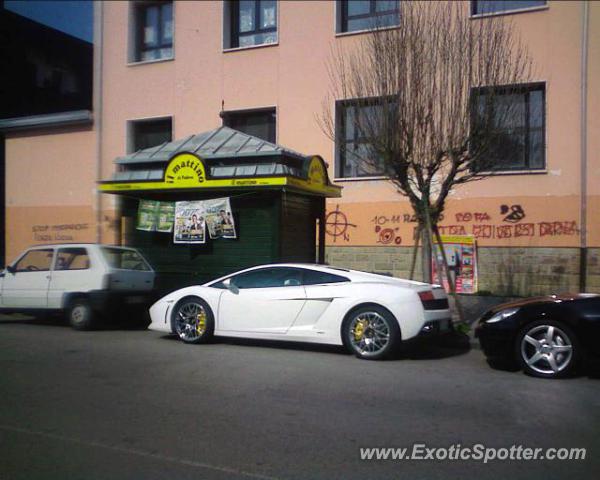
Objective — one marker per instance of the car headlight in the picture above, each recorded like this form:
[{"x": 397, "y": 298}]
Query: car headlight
[{"x": 502, "y": 314}]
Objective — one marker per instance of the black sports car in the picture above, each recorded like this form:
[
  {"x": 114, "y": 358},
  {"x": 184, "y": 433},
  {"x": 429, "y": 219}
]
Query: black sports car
[{"x": 546, "y": 336}]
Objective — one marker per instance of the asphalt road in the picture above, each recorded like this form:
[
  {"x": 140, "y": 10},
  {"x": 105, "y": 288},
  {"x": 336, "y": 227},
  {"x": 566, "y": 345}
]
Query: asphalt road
[{"x": 139, "y": 405}]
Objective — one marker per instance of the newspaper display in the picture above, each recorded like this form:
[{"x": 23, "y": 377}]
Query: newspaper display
[
  {"x": 462, "y": 262},
  {"x": 190, "y": 226},
  {"x": 219, "y": 218}
]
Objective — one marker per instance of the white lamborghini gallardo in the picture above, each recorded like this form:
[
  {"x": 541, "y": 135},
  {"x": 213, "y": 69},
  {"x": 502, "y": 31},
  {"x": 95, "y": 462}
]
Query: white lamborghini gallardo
[{"x": 368, "y": 313}]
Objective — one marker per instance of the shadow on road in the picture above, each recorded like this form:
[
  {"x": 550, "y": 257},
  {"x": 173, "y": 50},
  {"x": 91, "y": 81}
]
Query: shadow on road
[
  {"x": 446, "y": 346},
  {"x": 275, "y": 344},
  {"x": 58, "y": 320},
  {"x": 19, "y": 319}
]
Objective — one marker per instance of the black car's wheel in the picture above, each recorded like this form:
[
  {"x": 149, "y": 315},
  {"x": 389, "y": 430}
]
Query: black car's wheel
[
  {"x": 193, "y": 320},
  {"x": 80, "y": 314},
  {"x": 547, "y": 349},
  {"x": 371, "y": 332}
]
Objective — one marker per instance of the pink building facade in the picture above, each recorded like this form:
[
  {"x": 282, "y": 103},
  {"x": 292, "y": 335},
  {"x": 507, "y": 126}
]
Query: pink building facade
[{"x": 166, "y": 70}]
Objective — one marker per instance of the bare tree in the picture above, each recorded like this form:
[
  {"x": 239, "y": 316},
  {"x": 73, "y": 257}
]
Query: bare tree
[{"x": 432, "y": 96}]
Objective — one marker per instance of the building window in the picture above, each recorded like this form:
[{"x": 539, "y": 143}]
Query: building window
[
  {"x": 357, "y": 15},
  {"x": 482, "y": 7},
  {"x": 253, "y": 22},
  {"x": 258, "y": 123},
  {"x": 149, "y": 133},
  {"x": 153, "y": 30},
  {"x": 515, "y": 115},
  {"x": 355, "y": 156}
]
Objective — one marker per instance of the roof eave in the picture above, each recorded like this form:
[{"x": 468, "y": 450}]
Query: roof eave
[
  {"x": 129, "y": 160},
  {"x": 51, "y": 120}
]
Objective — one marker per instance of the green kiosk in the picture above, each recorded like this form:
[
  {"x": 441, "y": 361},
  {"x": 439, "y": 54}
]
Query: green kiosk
[{"x": 276, "y": 198}]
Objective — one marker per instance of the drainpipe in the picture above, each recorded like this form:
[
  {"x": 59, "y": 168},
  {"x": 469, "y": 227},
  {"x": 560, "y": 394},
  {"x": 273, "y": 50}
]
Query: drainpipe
[
  {"x": 583, "y": 214},
  {"x": 98, "y": 64}
]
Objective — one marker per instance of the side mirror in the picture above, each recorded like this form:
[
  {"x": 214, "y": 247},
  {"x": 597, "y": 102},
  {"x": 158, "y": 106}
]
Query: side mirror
[
  {"x": 10, "y": 269},
  {"x": 231, "y": 287}
]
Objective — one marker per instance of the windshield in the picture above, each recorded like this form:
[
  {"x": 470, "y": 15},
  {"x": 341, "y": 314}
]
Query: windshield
[{"x": 124, "y": 259}]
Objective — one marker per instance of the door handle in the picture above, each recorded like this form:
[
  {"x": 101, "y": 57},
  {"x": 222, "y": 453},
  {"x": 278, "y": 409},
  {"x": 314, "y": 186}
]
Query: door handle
[{"x": 48, "y": 277}]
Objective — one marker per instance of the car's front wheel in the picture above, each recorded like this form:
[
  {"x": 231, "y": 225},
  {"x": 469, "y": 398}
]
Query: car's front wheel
[
  {"x": 547, "y": 349},
  {"x": 371, "y": 332},
  {"x": 193, "y": 320}
]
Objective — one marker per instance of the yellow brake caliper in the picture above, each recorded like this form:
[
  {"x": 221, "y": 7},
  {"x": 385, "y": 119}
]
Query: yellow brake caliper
[
  {"x": 359, "y": 329},
  {"x": 201, "y": 324}
]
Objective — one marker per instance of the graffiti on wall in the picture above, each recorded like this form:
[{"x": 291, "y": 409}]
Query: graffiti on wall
[
  {"x": 509, "y": 223},
  {"x": 387, "y": 229},
  {"x": 513, "y": 228},
  {"x": 539, "y": 229},
  {"x": 514, "y": 213},
  {"x": 65, "y": 232},
  {"x": 337, "y": 225}
]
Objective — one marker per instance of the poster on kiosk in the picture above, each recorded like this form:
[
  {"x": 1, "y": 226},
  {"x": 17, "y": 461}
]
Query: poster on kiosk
[
  {"x": 219, "y": 218},
  {"x": 190, "y": 226},
  {"x": 189, "y": 220}
]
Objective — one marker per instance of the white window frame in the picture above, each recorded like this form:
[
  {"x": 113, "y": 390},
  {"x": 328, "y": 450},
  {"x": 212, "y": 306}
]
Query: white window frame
[
  {"x": 507, "y": 12},
  {"x": 226, "y": 30},
  {"x": 336, "y": 149},
  {"x": 338, "y": 20},
  {"x": 132, "y": 28}
]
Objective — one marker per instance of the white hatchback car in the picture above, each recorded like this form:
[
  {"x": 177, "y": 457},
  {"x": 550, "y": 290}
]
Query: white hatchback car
[{"x": 82, "y": 280}]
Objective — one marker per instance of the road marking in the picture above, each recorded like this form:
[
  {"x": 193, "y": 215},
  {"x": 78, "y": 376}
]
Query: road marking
[{"x": 139, "y": 452}]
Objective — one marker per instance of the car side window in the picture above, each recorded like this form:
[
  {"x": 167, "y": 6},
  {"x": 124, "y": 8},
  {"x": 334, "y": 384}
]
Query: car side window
[
  {"x": 72, "y": 259},
  {"x": 314, "y": 277},
  {"x": 35, "y": 261},
  {"x": 124, "y": 259},
  {"x": 268, "y": 278}
]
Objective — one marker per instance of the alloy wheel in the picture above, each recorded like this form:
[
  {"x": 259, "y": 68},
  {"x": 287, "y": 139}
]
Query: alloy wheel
[
  {"x": 190, "y": 321},
  {"x": 547, "y": 349},
  {"x": 369, "y": 333}
]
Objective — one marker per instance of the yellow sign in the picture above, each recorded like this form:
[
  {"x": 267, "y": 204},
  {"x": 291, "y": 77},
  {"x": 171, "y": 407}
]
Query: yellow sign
[
  {"x": 464, "y": 239},
  {"x": 316, "y": 172},
  {"x": 296, "y": 183},
  {"x": 185, "y": 170}
]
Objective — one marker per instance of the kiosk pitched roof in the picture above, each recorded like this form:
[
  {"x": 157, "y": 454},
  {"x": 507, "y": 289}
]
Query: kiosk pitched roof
[
  {"x": 222, "y": 142},
  {"x": 228, "y": 159}
]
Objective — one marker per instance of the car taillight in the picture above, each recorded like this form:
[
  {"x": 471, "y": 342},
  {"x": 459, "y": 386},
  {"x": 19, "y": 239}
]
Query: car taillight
[{"x": 426, "y": 296}]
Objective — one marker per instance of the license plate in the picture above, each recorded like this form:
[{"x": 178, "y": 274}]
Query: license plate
[{"x": 134, "y": 300}]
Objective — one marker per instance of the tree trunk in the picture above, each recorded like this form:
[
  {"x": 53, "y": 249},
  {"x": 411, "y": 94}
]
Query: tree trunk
[
  {"x": 413, "y": 262},
  {"x": 433, "y": 254},
  {"x": 426, "y": 254}
]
